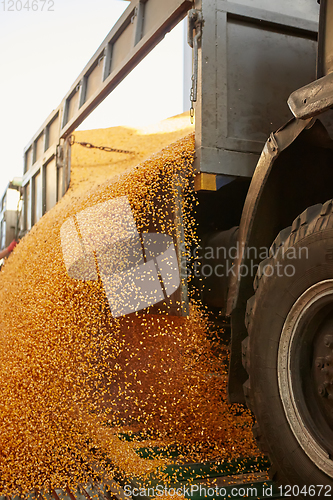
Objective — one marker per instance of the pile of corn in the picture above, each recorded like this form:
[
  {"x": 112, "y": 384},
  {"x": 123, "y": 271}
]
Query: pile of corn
[{"x": 71, "y": 376}]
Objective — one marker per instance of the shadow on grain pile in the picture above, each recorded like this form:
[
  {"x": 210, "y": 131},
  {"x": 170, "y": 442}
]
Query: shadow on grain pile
[{"x": 72, "y": 377}]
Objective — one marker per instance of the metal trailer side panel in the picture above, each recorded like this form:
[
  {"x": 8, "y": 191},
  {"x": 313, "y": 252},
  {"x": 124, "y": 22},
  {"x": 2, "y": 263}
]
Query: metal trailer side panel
[
  {"x": 141, "y": 27},
  {"x": 10, "y": 218},
  {"x": 253, "y": 54}
]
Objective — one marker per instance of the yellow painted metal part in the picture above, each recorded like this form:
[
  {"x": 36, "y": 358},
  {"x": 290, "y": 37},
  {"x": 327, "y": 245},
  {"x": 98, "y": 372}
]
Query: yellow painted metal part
[{"x": 205, "y": 182}]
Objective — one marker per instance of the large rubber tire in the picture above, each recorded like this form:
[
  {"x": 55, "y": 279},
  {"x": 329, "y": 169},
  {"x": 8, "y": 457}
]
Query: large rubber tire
[{"x": 289, "y": 320}]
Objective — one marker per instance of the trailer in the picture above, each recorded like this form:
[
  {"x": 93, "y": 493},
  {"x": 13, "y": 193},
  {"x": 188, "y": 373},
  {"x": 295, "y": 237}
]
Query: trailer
[
  {"x": 10, "y": 212},
  {"x": 262, "y": 198}
]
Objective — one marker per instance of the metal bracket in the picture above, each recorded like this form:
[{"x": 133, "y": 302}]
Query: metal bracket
[
  {"x": 60, "y": 156},
  {"x": 135, "y": 13},
  {"x": 195, "y": 22}
]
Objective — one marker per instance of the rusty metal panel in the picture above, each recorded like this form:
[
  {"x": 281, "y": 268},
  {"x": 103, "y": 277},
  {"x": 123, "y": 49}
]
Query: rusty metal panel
[{"x": 50, "y": 185}]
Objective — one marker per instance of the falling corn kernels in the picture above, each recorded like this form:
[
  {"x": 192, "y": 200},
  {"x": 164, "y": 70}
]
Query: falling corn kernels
[{"x": 71, "y": 376}]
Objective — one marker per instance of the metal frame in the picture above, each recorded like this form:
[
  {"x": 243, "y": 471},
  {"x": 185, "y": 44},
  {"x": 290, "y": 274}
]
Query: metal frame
[
  {"x": 221, "y": 148},
  {"x": 8, "y": 217},
  {"x": 141, "y": 27}
]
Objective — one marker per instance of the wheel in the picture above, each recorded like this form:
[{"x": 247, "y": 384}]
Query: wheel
[{"x": 288, "y": 353}]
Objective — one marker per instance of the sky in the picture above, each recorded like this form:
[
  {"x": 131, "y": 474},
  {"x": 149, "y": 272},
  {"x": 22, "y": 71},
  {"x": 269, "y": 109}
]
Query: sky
[{"x": 43, "y": 51}]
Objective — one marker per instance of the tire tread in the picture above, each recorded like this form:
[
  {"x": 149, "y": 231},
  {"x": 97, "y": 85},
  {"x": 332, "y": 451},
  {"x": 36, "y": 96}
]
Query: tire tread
[{"x": 310, "y": 221}]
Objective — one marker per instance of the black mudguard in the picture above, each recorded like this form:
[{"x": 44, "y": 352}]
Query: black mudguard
[{"x": 295, "y": 170}]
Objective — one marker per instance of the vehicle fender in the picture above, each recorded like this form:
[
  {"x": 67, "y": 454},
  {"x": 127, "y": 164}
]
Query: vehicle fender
[{"x": 294, "y": 171}]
